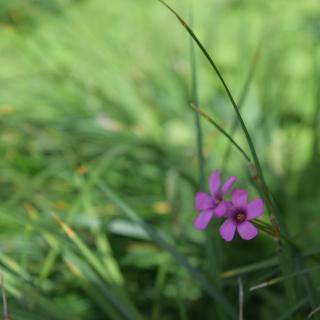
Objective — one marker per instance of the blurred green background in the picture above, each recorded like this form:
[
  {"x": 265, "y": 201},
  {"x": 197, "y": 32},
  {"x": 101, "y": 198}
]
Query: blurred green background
[{"x": 96, "y": 129}]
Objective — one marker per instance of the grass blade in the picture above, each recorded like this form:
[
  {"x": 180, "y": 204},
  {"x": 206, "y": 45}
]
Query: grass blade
[
  {"x": 243, "y": 95},
  {"x": 287, "y": 255},
  {"x": 195, "y": 101},
  {"x": 288, "y": 314},
  {"x": 4, "y": 301},
  {"x": 107, "y": 299},
  {"x": 279, "y": 279},
  {"x": 261, "y": 181},
  {"x": 226, "y": 134},
  {"x": 250, "y": 268},
  {"x": 178, "y": 257},
  {"x": 240, "y": 299},
  {"x": 121, "y": 301},
  {"x": 313, "y": 312},
  {"x": 213, "y": 245}
]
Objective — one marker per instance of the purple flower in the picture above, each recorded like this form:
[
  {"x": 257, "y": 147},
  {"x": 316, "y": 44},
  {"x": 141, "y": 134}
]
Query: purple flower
[
  {"x": 239, "y": 214},
  {"x": 209, "y": 206}
]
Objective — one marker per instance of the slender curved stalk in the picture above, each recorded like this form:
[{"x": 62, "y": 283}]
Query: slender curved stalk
[
  {"x": 242, "y": 98},
  {"x": 257, "y": 173},
  {"x": 226, "y": 134},
  {"x": 261, "y": 181}
]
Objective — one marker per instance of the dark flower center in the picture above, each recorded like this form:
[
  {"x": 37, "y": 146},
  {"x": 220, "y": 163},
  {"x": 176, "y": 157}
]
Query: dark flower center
[
  {"x": 217, "y": 198},
  {"x": 240, "y": 216}
]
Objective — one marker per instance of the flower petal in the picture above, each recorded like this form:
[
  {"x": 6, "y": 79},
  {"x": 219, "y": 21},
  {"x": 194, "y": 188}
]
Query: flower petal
[
  {"x": 221, "y": 209},
  {"x": 203, "y": 201},
  {"x": 228, "y": 184},
  {"x": 239, "y": 198},
  {"x": 254, "y": 209},
  {"x": 214, "y": 182},
  {"x": 227, "y": 229},
  {"x": 230, "y": 209},
  {"x": 247, "y": 230},
  {"x": 203, "y": 219}
]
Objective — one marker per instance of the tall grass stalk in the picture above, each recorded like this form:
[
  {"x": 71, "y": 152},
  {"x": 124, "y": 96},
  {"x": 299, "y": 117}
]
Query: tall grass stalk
[
  {"x": 287, "y": 253},
  {"x": 213, "y": 244}
]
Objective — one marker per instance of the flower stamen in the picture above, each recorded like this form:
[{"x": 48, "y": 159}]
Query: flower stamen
[{"x": 240, "y": 216}]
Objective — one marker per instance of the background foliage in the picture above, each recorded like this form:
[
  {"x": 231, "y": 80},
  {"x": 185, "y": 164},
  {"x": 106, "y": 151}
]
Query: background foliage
[{"x": 99, "y": 159}]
